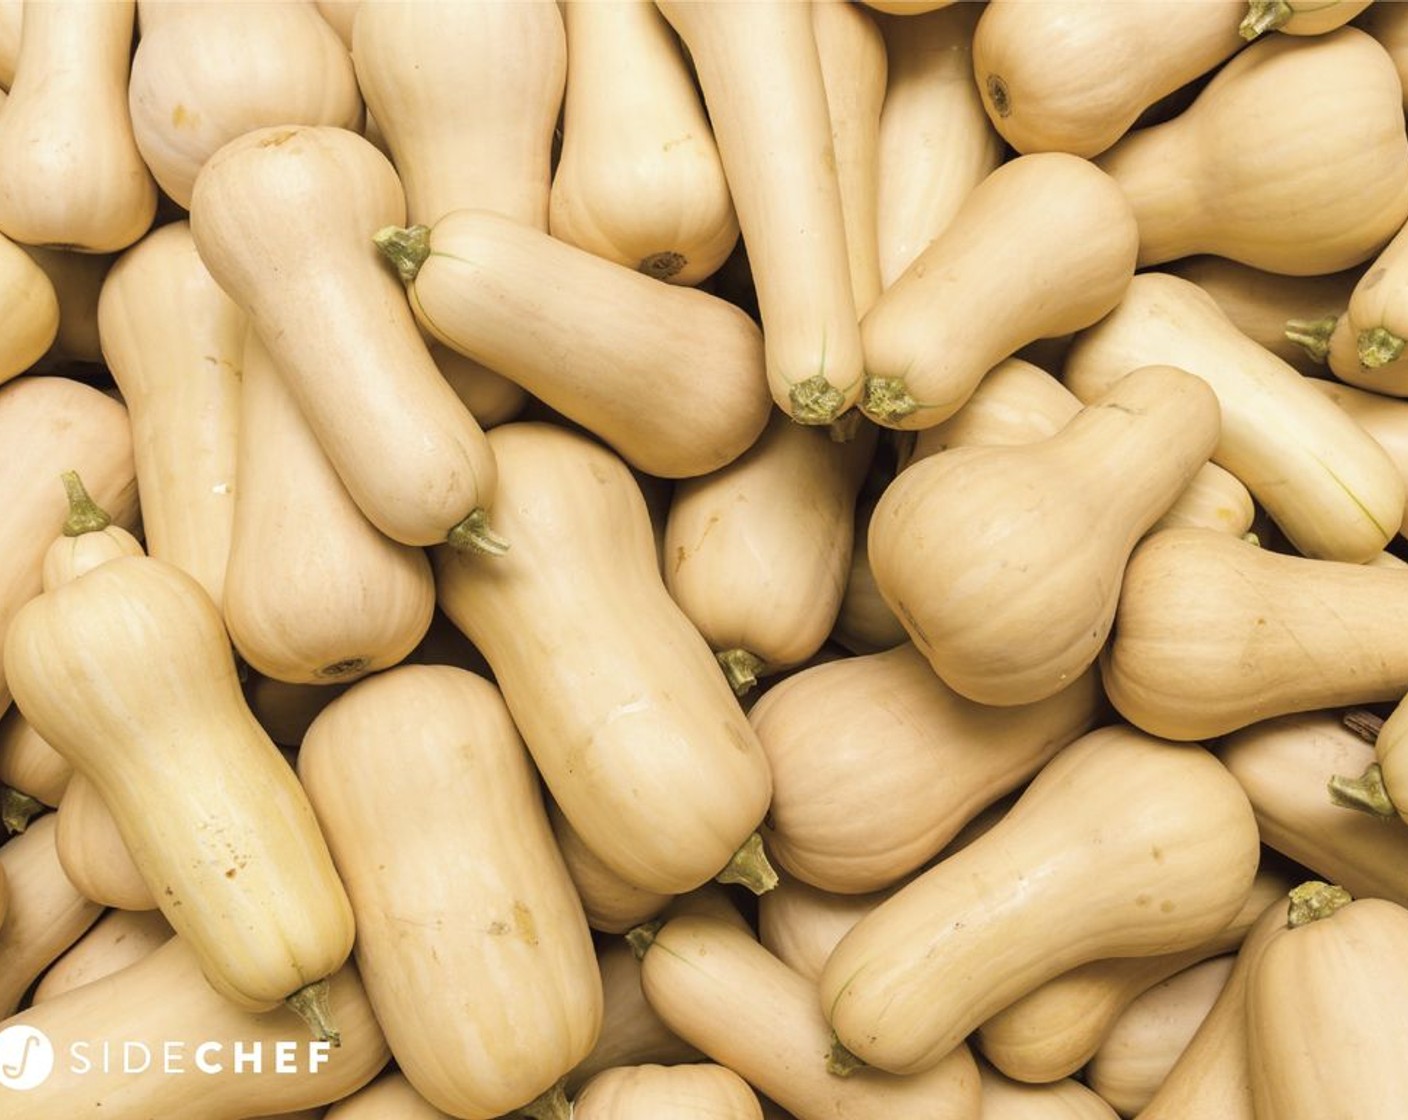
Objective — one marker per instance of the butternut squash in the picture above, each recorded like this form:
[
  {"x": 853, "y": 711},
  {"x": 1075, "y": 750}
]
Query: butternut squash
[
  {"x": 597, "y": 683},
  {"x": 467, "y": 97},
  {"x": 29, "y": 310},
  {"x": 459, "y": 889},
  {"x": 703, "y": 1089},
  {"x": 236, "y": 1063},
  {"x": 207, "y": 73},
  {"x": 298, "y": 204},
  {"x": 1158, "y": 852},
  {"x": 285, "y": 710},
  {"x": 314, "y": 593},
  {"x": 757, "y": 562},
  {"x": 1298, "y": 17},
  {"x": 1387, "y": 23},
  {"x": 1379, "y": 368},
  {"x": 1067, "y": 1099},
  {"x": 1375, "y": 322},
  {"x": 11, "y": 19},
  {"x": 1074, "y": 76},
  {"x": 1324, "y": 480},
  {"x": 74, "y": 177},
  {"x": 1381, "y": 788},
  {"x": 89, "y": 538},
  {"x": 864, "y": 621},
  {"x": 611, "y": 904},
  {"x": 340, "y": 16},
  {"x": 955, "y": 536},
  {"x": 935, "y": 143},
  {"x": 715, "y": 986},
  {"x": 800, "y": 924},
  {"x": 876, "y": 763},
  {"x": 670, "y": 377},
  {"x": 1043, "y": 246},
  {"x": 639, "y": 180},
  {"x": 126, "y": 670},
  {"x": 1383, "y": 417},
  {"x": 29, "y": 764},
  {"x": 93, "y": 854},
  {"x": 1249, "y": 187},
  {"x": 781, "y": 169},
  {"x": 389, "y": 1097},
  {"x": 77, "y": 279},
  {"x": 490, "y": 397},
  {"x": 117, "y": 939}
]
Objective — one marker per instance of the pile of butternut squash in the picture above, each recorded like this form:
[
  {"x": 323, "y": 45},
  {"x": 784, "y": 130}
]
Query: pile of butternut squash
[{"x": 612, "y": 559}]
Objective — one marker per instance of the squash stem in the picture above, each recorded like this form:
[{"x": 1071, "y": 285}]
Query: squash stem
[
  {"x": 551, "y": 1104},
  {"x": 1367, "y": 793},
  {"x": 750, "y": 867},
  {"x": 815, "y": 401},
  {"x": 1263, "y": 16},
  {"x": 840, "y": 1062},
  {"x": 311, "y": 1004},
  {"x": 1363, "y": 723},
  {"x": 662, "y": 265},
  {"x": 407, "y": 248},
  {"x": 886, "y": 399},
  {"x": 741, "y": 668},
  {"x": 642, "y": 937},
  {"x": 18, "y": 809},
  {"x": 1313, "y": 901},
  {"x": 1312, "y": 336},
  {"x": 1379, "y": 346},
  {"x": 474, "y": 535},
  {"x": 84, "y": 514}
]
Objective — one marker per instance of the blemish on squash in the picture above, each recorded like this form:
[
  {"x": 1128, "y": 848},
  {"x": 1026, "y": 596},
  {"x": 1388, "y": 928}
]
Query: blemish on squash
[
  {"x": 181, "y": 117},
  {"x": 230, "y": 873},
  {"x": 1372, "y": 278},
  {"x": 524, "y": 924},
  {"x": 1166, "y": 906},
  {"x": 283, "y": 136},
  {"x": 1157, "y": 853},
  {"x": 998, "y": 95},
  {"x": 1143, "y": 899}
]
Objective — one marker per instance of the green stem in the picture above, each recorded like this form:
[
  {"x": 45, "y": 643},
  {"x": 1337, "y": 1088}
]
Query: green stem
[
  {"x": 815, "y": 401},
  {"x": 1312, "y": 335},
  {"x": 1378, "y": 346},
  {"x": 750, "y": 867},
  {"x": 642, "y": 937},
  {"x": 1314, "y": 900},
  {"x": 1263, "y": 16},
  {"x": 405, "y": 248},
  {"x": 840, "y": 1062},
  {"x": 18, "y": 809},
  {"x": 550, "y": 1104},
  {"x": 886, "y": 399},
  {"x": 312, "y": 1004},
  {"x": 474, "y": 535},
  {"x": 741, "y": 668},
  {"x": 1367, "y": 793},
  {"x": 84, "y": 514}
]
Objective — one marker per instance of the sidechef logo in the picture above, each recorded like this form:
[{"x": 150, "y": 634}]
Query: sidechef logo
[{"x": 28, "y": 1057}]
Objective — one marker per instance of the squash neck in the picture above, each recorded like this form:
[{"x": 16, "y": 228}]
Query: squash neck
[{"x": 1151, "y": 167}]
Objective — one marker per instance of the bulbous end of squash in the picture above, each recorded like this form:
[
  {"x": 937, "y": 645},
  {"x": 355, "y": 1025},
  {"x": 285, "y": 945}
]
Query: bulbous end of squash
[
  {"x": 1263, "y": 16},
  {"x": 750, "y": 867},
  {"x": 84, "y": 514},
  {"x": 551, "y": 1104},
  {"x": 662, "y": 265},
  {"x": 815, "y": 401},
  {"x": 741, "y": 668},
  {"x": 886, "y": 400},
  {"x": 311, "y": 1004},
  {"x": 1314, "y": 900},
  {"x": 1312, "y": 336},
  {"x": 474, "y": 535},
  {"x": 17, "y": 809},
  {"x": 1378, "y": 346},
  {"x": 840, "y": 1062},
  {"x": 1367, "y": 793},
  {"x": 405, "y": 248}
]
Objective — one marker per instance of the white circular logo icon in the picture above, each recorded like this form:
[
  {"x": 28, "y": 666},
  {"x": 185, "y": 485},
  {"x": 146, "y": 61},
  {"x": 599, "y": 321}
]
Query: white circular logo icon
[{"x": 26, "y": 1057}]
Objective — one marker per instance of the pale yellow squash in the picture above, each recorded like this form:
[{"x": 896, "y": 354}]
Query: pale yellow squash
[
  {"x": 29, "y": 310},
  {"x": 389, "y": 1097},
  {"x": 1067, "y": 1099},
  {"x": 701, "y": 1090},
  {"x": 117, "y": 939},
  {"x": 29, "y": 764},
  {"x": 611, "y": 904},
  {"x": 1383, "y": 417},
  {"x": 93, "y": 854},
  {"x": 77, "y": 279},
  {"x": 800, "y": 924},
  {"x": 1298, "y": 17}
]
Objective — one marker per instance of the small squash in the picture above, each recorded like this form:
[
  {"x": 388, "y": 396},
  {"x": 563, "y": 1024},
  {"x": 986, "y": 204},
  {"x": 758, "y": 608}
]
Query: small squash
[
  {"x": 646, "y": 1092},
  {"x": 29, "y": 310},
  {"x": 117, "y": 939}
]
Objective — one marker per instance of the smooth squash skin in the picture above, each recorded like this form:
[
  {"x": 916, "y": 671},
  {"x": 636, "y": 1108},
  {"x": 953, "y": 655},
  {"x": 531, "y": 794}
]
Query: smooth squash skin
[
  {"x": 117, "y": 939},
  {"x": 1326, "y": 483},
  {"x": 46, "y": 913},
  {"x": 93, "y": 854},
  {"x": 634, "y": 728},
  {"x": 127, "y": 671},
  {"x": 1075, "y": 75},
  {"x": 935, "y": 143},
  {"x": 11, "y": 19},
  {"x": 639, "y": 180},
  {"x": 1351, "y": 984},
  {"x": 611, "y": 904},
  {"x": 77, "y": 279},
  {"x": 672, "y": 378},
  {"x": 29, "y": 310},
  {"x": 161, "y": 1001},
  {"x": 74, "y": 178},
  {"x": 389, "y": 1097},
  {"x": 1376, "y": 323},
  {"x": 1067, "y": 1099},
  {"x": 1157, "y": 851},
  {"x": 298, "y": 204},
  {"x": 716, "y": 987},
  {"x": 864, "y": 622},
  {"x": 876, "y": 763},
  {"x": 314, "y": 592},
  {"x": 1260, "y": 634},
  {"x": 781, "y": 168},
  {"x": 174, "y": 343},
  {"x": 1043, "y": 246},
  {"x": 210, "y": 72},
  {"x": 703, "y": 1089},
  {"x": 800, "y": 924},
  {"x": 1383, "y": 417},
  {"x": 1250, "y": 187},
  {"x": 956, "y": 538},
  {"x": 29, "y": 764}
]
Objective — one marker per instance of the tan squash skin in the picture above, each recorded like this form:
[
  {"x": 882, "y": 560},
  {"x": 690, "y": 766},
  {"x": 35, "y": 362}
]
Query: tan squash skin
[
  {"x": 490, "y": 397},
  {"x": 117, "y": 939},
  {"x": 29, "y": 310},
  {"x": 608, "y": 676},
  {"x": 1285, "y": 765},
  {"x": 161, "y": 998},
  {"x": 1375, "y": 324},
  {"x": 1341, "y": 348},
  {"x": 215, "y": 72},
  {"x": 301, "y": 203},
  {"x": 11, "y": 19},
  {"x": 864, "y": 622},
  {"x": 241, "y": 873},
  {"x": 174, "y": 343},
  {"x": 1351, "y": 985},
  {"x": 92, "y": 852},
  {"x": 1250, "y": 186},
  {"x": 639, "y": 180},
  {"x": 715, "y": 986},
  {"x": 389, "y": 1097},
  {"x": 314, "y": 593},
  {"x": 29, "y": 764},
  {"x": 501, "y": 921},
  {"x": 611, "y": 903},
  {"x": 955, "y": 537},
  {"x": 49, "y": 425},
  {"x": 1158, "y": 850},
  {"x": 781, "y": 166},
  {"x": 672, "y": 378},
  {"x": 800, "y": 924},
  {"x": 46, "y": 913},
  {"x": 757, "y": 552},
  {"x": 1043, "y": 246},
  {"x": 1388, "y": 23},
  {"x": 1260, "y": 634},
  {"x": 467, "y": 97},
  {"x": 1324, "y": 480},
  {"x": 1147, "y": 1039},
  {"x": 75, "y": 179},
  {"x": 89, "y": 538},
  {"x": 341, "y": 16},
  {"x": 1383, "y": 417},
  {"x": 77, "y": 279},
  {"x": 876, "y": 763},
  {"x": 1053, "y": 1031},
  {"x": 1005, "y": 1099},
  {"x": 645, "y": 1092},
  {"x": 935, "y": 143}
]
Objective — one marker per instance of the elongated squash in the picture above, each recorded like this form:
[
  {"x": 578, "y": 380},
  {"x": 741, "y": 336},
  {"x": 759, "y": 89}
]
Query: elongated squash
[
  {"x": 1067, "y": 1099},
  {"x": 117, "y": 939},
  {"x": 611, "y": 904},
  {"x": 93, "y": 854},
  {"x": 800, "y": 924}
]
